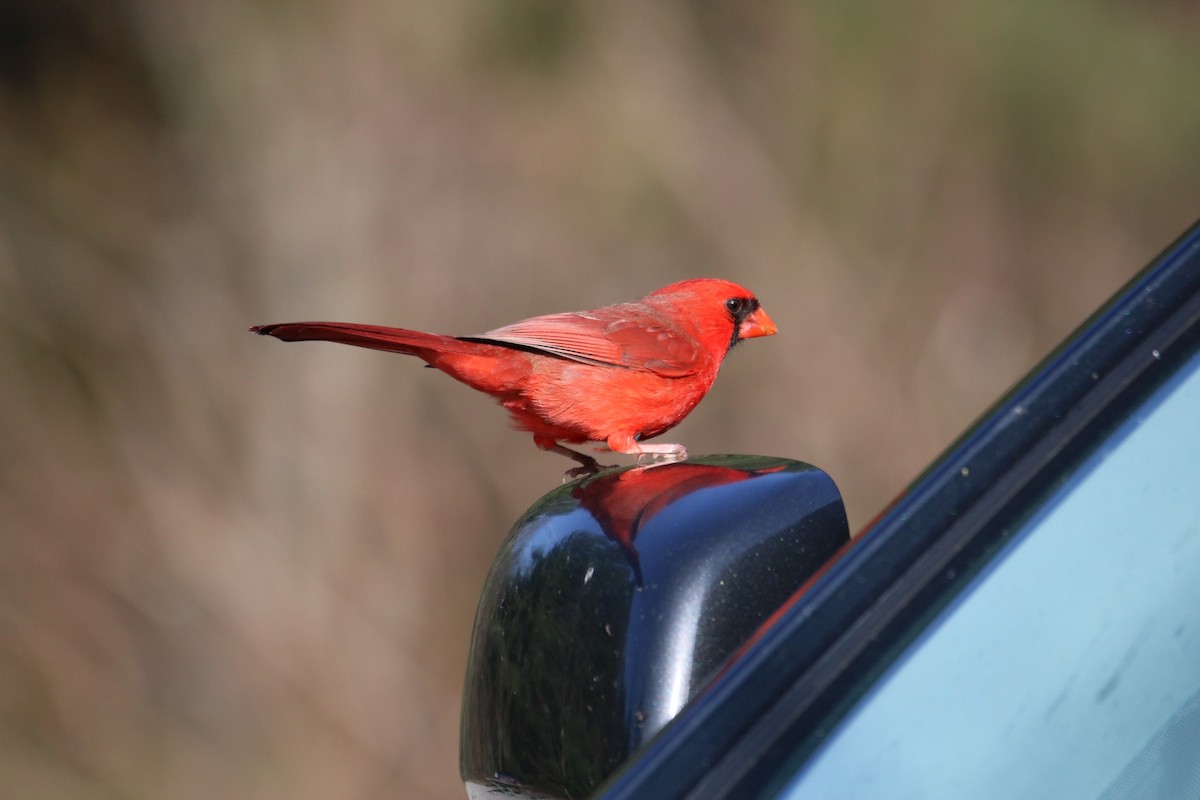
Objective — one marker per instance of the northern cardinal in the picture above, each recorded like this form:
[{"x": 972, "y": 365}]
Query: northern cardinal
[{"x": 615, "y": 375}]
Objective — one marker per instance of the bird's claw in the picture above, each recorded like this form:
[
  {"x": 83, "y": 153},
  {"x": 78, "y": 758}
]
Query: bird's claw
[
  {"x": 585, "y": 470},
  {"x": 649, "y": 460},
  {"x": 658, "y": 458}
]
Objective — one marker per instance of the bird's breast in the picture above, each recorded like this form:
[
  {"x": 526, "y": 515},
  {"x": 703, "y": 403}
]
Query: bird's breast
[{"x": 596, "y": 402}]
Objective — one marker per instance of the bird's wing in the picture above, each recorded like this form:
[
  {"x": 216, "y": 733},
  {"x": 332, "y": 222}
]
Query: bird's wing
[{"x": 622, "y": 337}]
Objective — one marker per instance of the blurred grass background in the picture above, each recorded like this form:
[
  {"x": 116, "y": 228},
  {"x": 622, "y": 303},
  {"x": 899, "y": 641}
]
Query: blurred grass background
[{"x": 233, "y": 568}]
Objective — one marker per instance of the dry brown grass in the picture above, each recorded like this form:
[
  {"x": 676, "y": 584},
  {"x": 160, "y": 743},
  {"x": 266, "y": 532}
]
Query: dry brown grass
[{"x": 236, "y": 569}]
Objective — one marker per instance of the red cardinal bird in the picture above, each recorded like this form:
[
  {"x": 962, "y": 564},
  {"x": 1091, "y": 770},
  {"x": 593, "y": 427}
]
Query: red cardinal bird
[{"x": 614, "y": 375}]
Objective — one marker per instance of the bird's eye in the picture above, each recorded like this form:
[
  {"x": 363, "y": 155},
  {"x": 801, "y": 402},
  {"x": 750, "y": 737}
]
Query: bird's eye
[{"x": 735, "y": 305}]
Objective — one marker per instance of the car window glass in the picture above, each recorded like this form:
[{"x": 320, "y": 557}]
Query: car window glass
[{"x": 1070, "y": 667}]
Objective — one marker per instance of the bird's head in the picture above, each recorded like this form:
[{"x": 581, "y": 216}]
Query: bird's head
[{"x": 720, "y": 311}]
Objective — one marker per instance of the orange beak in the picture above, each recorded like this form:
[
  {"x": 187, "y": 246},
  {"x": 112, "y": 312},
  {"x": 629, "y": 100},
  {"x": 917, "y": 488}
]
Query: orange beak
[{"x": 757, "y": 324}]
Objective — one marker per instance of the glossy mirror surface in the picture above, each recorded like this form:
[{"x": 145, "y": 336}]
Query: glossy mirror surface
[{"x": 617, "y": 596}]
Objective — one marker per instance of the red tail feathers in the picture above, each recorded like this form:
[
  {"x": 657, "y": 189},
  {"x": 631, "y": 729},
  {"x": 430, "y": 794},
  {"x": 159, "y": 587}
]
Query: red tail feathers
[{"x": 375, "y": 337}]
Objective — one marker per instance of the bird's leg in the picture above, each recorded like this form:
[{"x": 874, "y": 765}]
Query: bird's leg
[
  {"x": 647, "y": 454},
  {"x": 588, "y": 465}
]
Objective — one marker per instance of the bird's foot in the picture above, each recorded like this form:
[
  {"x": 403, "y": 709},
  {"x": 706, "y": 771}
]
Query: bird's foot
[
  {"x": 656, "y": 455},
  {"x": 587, "y": 464},
  {"x": 649, "y": 460},
  {"x": 586, "y": 469}
]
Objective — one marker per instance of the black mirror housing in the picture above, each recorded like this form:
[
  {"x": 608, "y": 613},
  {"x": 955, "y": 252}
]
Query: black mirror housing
[{"x": 616, "y": 597}]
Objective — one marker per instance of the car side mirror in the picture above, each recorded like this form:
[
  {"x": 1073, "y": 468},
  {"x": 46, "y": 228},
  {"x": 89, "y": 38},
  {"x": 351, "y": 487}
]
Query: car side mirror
[{"x": 615, "y": 598}]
